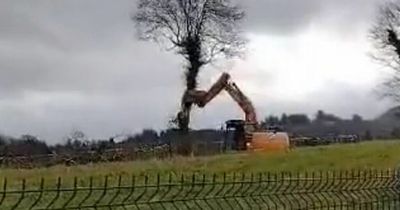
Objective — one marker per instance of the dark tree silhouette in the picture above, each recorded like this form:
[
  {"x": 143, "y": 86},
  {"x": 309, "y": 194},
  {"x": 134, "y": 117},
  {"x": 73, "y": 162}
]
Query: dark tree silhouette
[
  {"x": 385, "y": 37},
  {"x": 284, "y": 119},
  {"x": 199, "y": 30},
  {"x": 357, "y": 119},
  {"x": 299, "y": 119}
]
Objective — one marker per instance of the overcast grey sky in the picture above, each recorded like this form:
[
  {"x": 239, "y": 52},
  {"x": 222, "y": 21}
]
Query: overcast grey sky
[{"x": 76, "y": 64}]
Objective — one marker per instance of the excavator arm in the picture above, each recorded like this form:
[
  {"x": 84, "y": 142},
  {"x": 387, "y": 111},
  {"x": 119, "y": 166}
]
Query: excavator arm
[
  {"x": 243, "y": 101},
  {"x": 202, "y": 98},
  {"x": 250, "y": 137}
]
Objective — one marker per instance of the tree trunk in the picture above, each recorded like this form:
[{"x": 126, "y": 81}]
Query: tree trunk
[
  {"x": 193, "y": 51},
  {"x": 193, "y": 54}
]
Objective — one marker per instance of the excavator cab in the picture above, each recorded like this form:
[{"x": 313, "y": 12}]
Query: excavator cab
[
  {"x": 240, "y": 135},
  {"x": 235, "y": 135}
]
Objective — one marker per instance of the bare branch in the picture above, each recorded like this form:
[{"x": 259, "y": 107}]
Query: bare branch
[
  {"x": 385, "y": 38},
  {"x": 199, "y": 30}
]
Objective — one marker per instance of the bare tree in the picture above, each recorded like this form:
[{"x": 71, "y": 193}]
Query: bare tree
[
  {"x": 385, "y": 36},
  {"x": 199, "y": 30}
]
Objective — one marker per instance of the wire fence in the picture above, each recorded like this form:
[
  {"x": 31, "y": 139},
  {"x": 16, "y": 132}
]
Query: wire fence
[{"x": 330, "y": 190}]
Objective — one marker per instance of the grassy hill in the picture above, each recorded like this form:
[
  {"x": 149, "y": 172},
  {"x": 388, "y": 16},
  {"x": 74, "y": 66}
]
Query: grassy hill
[{"x": 370, "y": 155}]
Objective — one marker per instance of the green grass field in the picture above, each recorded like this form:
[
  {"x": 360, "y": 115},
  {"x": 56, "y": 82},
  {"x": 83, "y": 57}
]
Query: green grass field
[
  {"x": 365, "y": 156},
  {"x": 370, "y": 155}
]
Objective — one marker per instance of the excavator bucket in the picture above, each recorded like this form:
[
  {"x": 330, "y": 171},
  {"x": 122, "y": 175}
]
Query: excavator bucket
[{"x": 269, "y": 141}]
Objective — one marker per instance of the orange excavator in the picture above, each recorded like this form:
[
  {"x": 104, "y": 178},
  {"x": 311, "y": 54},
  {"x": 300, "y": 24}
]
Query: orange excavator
[{"x": 247, "y": 133}]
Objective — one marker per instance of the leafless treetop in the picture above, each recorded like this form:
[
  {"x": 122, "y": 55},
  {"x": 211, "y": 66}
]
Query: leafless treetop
[
  {"x": 385, "y": 37},
  {"x": 213, "y": 23}
]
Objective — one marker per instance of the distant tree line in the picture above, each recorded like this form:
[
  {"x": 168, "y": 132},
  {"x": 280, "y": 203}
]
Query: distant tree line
[
  {"x": 76, "y": 142},
  {"x": 29, "y": 151},
  {"x": 325, "y": 124},
  {"x": 203, "y": 142}
]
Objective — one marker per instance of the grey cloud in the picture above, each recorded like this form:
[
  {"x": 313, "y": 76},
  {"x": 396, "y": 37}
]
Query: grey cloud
[
  {"x": 289, "y": 16},
  {"x": 67, "y": 24},
  {"x": 76, "y": 64},
  {"x": 53, "y": 114},
  {"x": 92, "y": 48},
  {"x": 115, "y": 69},
  {"x": 336, "y": 97},
  {"x": 280, "y": 16}
]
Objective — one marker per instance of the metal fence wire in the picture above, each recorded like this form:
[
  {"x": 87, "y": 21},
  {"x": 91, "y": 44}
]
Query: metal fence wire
[{"x": 323, "y": 190}]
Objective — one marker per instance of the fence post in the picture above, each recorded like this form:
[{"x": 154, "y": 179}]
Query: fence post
[
  {"x": 4, "y": 193},
  {"x": 111, "y": 201},
  {"x": 88, "y": 195},
  {"x": 41, "y": 189},
  {"x": 22, "y": 195}
]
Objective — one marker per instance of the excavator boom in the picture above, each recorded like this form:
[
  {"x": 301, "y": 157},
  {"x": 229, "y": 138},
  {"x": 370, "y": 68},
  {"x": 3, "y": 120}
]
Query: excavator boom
[
  {"x": 202, "y": 98},
  {"x": 244, "y": 103}
]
